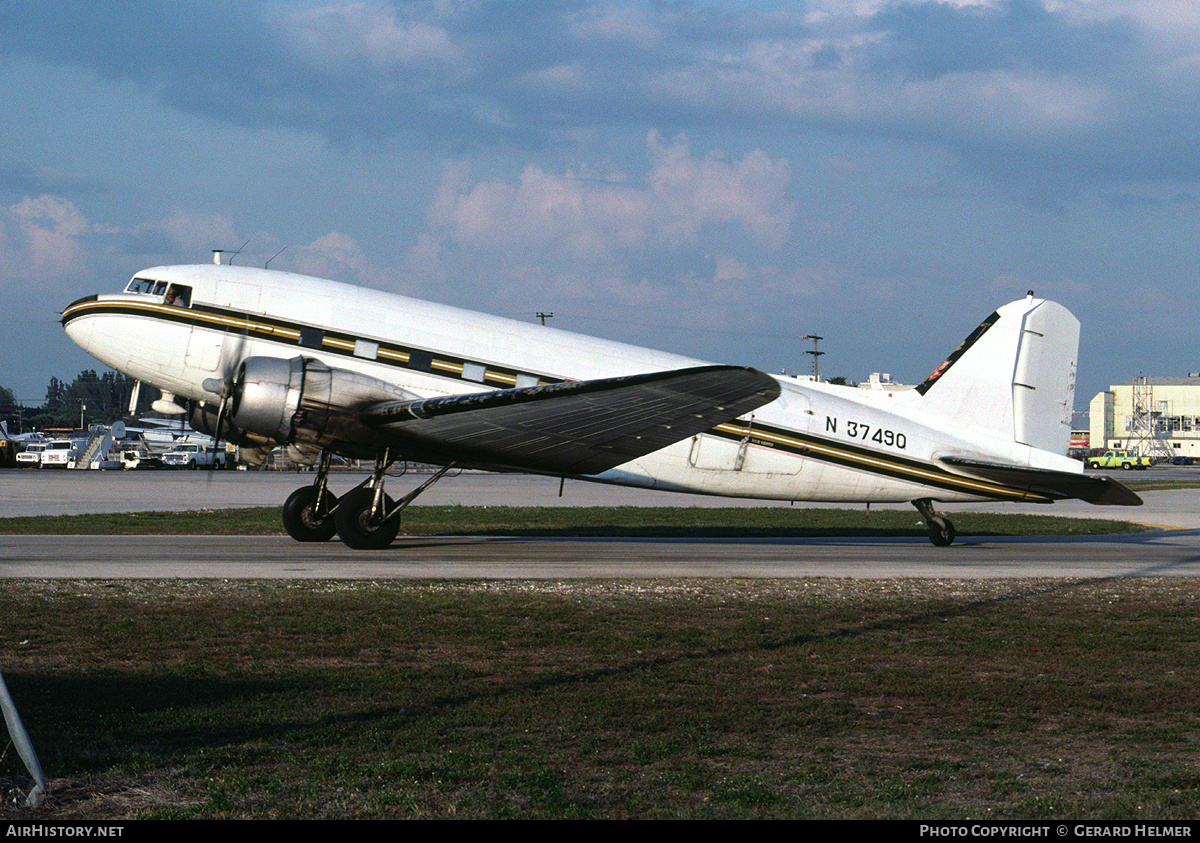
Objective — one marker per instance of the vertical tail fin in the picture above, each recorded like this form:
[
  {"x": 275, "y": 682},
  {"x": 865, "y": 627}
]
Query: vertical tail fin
[{"x": 1014, "y": 375}]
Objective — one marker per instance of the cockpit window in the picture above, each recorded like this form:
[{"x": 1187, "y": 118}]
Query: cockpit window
[
  {"x": 141, "y": 285},
  {"x": 176, "y": 294}
]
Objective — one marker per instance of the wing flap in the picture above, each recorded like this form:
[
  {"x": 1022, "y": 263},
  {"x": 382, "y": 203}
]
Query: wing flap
[
  {"x": 577, "y": 427},
  {"x": 1102, "y": 491}
]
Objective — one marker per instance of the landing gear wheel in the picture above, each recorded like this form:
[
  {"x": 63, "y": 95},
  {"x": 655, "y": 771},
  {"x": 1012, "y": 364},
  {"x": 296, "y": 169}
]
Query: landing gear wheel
[
  {"x": 942, "y": 536},
  {"x": 307, "y": 522},
  {"x": 355, "y": 525},
  {"x": 941, "y": 531}
]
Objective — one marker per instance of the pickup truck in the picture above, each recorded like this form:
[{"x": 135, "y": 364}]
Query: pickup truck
[
  {"x": 193, "y": 457},
  {"x": 1127, "y": 460}
]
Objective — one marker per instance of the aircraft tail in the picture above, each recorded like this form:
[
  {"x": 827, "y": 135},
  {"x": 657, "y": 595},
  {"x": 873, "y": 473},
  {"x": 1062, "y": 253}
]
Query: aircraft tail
[{"x": 1014, "y": 375}]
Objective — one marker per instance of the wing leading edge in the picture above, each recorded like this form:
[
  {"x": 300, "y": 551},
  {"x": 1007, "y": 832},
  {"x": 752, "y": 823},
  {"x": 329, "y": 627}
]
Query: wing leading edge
[{"x": 577, "y": 427}]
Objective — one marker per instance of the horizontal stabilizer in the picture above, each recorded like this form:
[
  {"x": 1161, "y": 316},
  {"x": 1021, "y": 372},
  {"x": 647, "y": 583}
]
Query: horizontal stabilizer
[
  {"x": 1102, "y": 491},
  {"x": 576, "y": 427}
]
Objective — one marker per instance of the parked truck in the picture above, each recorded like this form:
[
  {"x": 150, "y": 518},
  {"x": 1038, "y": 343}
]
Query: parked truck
[
  {"x": 1126, "y": 460},
  {"x": 194, "y": 456}
]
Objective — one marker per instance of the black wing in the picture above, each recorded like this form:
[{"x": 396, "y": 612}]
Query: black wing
[{"x": 577, "y": 427}]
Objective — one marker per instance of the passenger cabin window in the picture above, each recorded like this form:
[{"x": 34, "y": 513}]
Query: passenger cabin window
[{"x": 179, "y": 295}]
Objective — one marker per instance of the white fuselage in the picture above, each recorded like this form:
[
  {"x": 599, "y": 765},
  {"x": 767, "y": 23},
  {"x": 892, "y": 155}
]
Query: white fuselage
[{"x": 815, "y": 442}]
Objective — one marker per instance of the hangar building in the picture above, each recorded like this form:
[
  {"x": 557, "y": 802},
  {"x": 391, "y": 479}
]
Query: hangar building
[{"x": 1157, "y": 416}]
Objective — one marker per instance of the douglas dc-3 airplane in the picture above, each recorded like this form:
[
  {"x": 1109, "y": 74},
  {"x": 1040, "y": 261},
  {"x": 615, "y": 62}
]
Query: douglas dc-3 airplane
[{"x": 267, "y": 358}]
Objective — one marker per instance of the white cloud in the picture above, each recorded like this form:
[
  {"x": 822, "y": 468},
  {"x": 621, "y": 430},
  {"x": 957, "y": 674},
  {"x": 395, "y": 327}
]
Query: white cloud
[
  {"x": 593, "y": 218},
  {"x": 44, "y": 239},
  {"x": 339, "y": 257},
  {"x": 617, "y": 24},
  {"x": 196, "y": 233},
  {"x": 356, "y": 33}
]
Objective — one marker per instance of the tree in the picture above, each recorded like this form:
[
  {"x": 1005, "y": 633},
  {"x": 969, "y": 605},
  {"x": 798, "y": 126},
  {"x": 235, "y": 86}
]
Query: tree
[
  {"x": 9, "y": 411},
  {"x": 55, "y": 397},
  {"x": 106, "y": 397}
]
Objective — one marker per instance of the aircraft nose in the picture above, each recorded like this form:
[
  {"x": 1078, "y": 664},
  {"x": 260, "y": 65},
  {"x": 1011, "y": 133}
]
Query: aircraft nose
[{"x": 78, "y": 329}]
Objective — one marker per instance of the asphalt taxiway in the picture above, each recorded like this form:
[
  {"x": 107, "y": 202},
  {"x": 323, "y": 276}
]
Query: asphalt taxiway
[{"x": 1174, "y": 551}]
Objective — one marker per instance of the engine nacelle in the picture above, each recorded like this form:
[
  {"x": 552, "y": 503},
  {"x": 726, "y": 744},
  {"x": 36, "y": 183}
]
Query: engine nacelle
[
  {"x": 203, "y": 417},
  {"x": 303, "y": 402}
]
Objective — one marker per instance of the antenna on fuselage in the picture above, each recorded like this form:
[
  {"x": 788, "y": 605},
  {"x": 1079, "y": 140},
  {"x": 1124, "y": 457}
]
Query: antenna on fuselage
[
  {"x": 277, "y": 254},
  {"x": 217, "y": 256},
  {"x": 239, "y": 251}
]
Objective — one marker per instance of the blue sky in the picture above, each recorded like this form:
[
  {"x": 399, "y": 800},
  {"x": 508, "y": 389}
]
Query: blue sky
[{"x": 716, "y": 179}]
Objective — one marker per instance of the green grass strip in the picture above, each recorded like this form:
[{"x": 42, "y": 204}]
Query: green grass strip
[{"x": 647, "y": 522}]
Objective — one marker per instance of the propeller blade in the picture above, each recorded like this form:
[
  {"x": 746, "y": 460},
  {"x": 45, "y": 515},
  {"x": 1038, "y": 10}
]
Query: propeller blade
[{"x": 223, "y": 385}]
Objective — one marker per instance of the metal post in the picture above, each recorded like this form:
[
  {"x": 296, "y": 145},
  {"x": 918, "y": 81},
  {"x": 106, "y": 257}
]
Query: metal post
[{"x": 20, "y": 740}]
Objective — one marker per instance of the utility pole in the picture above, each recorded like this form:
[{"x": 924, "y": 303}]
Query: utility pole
[
  {"x": 543, "y": 316},
  {"x": 816, "y": 356}
]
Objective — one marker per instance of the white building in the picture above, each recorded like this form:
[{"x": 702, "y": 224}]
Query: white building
[{"x": 1157, "y": 416}]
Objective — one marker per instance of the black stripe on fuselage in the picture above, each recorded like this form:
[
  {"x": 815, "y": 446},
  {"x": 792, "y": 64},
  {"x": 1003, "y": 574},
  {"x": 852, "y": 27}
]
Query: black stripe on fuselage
[
  {"x": 315, "y": 338},
  {"x": 871, "y": 461},
  {"x": 302, "y": 336}
]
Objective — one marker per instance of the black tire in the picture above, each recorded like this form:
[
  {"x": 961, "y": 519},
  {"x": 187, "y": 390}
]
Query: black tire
[
  {"x": 1127, "y": 466},
  {"x": 1094, "y": 465},
  {"x": 942, "y": 537},
  {"x": 191, "y": 465},
  {"x": 353, "y": 521},
  {"x": 301, "y": 518}
]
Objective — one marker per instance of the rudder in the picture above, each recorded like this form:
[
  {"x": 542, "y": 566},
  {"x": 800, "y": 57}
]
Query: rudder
[{"x": 1013, "y": 376}]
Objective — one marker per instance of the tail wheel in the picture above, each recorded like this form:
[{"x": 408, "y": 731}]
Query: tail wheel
[
  {"x": 942, "y": 536},
  {"x": 358, "y": 528},
  {"x": 305, "y": 520}
]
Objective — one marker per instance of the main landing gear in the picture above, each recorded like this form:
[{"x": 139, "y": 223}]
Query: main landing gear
[
  {"x": 365, "y": 517},
  {"x": 308, "y": 511},
  {"x": 941, "y": 531}
]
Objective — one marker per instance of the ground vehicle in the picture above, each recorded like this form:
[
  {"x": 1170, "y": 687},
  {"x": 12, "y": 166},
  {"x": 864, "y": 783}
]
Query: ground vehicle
[
  {"x": 193, "y": 457},
  {"x": 1119, "y": 459},
  {"x": 31, "y": 456},
  {"x": 140, "y": 458},
  {"x": 60, "y": 453}
]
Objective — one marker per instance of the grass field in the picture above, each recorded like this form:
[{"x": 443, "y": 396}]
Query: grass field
[
  {"x": 685, "y": 698},
  {"x": 807, "y": 698},
  {"x": 669, "y": 522}
]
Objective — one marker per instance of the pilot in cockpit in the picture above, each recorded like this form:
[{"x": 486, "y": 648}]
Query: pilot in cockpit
[{"x": 177, "y": 296}]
